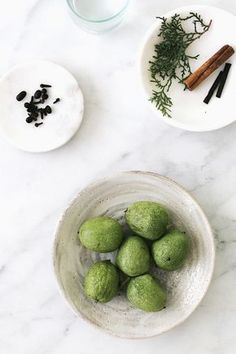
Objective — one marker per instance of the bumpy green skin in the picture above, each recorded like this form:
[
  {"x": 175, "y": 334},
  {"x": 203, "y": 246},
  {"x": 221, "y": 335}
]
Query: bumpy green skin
[
  {"x": 102, "y": 281},
  {"x": 170, "y": 251},
  {"x": 133, "y": 257},
  {"x": 147, "y": 219},
  {"x": 145, "y": 293},
  {"x": 101, "y": 234}
]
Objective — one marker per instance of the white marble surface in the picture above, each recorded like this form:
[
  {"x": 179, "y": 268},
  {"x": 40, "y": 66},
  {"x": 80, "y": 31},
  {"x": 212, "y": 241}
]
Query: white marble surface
[{"x": 119, "y": 132}]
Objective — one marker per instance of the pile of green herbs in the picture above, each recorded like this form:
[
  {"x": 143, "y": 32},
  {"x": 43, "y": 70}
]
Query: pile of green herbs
[{"x": 171, "y": 61}]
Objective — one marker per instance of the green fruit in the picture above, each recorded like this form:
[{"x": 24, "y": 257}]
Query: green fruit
[
  {"x": 145, "y": 293},
  {"x": 147, "y": 219},
  {"x": 133, "y": 257},
  {"x": 102, "y": 281},
  {"x": 170, "y": 252},
  {"x": 101, "y": 234}
]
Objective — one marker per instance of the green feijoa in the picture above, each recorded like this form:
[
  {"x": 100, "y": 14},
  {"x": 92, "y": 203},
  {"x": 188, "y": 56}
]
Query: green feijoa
[
  {"x": 133, "y": 257},
  {"x": 147, "y": 219},
  {"x": 101, "y": 281},
  {"x": 101, "y": 234},
  {"x": 171, "y": 250},
  {"x": 145, "y": 293}
]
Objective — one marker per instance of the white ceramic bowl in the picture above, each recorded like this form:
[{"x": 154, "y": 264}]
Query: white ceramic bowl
[
  {"x": 185, "y": 287},
  {"x": 66, "y": 117},
  {"x": 188, "y": 110}
]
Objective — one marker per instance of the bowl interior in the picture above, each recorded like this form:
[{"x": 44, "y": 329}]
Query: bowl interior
[{"x": 185, "y": 287}]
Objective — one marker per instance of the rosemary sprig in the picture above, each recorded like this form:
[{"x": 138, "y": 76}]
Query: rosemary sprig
[{"x": 170, "y": 61}]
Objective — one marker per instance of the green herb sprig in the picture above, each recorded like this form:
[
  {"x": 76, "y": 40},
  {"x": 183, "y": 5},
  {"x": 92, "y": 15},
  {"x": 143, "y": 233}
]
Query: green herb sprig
[{"x": 170, "y": 61}]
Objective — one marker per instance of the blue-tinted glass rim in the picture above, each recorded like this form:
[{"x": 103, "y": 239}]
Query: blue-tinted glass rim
[{"x": 69, "y": 2}]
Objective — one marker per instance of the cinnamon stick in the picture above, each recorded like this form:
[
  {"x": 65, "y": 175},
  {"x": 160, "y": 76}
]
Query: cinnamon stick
[{"x": 209, "y": 67}]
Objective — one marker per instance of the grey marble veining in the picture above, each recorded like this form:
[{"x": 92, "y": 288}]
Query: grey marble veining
[{"x": 119, "y": 132}]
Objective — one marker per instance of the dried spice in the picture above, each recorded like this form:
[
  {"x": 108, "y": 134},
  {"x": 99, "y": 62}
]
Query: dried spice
[
  {"x": 45, "y": 85},
  {"x": 218, "y": 84},
  {"x": 48, "y": 109},
  {"x": 223, "y": 80},
  {"x": 38, "y": 124},
  {"x": 213, "y": 88},
  {"x": 209, "y": 67},
  {"x": 34, "y": 111},
  {"x": 37, "y": 94},
  {"x": 56, "y": 101},
  {"x": 21, "y": 96}
]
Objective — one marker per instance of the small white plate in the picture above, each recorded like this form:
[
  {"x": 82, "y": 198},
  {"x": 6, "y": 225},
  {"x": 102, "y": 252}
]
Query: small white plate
[
  {"x": 185, "y": 287},
  {"x": 58, "y": 127},
  {"x": 188, "y": 110}
]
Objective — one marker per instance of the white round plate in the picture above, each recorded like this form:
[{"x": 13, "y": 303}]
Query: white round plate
[
  {"x": 188, "y": 110},
  {"x": 58, "y": 127},
  {"x": 185, "y": 287}
]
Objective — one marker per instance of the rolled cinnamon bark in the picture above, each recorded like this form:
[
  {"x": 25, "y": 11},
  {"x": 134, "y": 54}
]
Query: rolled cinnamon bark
[{"x": 209, "y": 67}]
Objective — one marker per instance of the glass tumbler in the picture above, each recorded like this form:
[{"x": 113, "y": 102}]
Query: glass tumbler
[{"x": 98, "y": 15}]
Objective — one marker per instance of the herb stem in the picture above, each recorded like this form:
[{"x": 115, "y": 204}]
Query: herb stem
[{"x": 171, "y": 60}]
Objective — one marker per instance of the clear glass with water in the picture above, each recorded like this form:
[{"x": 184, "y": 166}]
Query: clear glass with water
[{"x": 98, "y": 15}]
